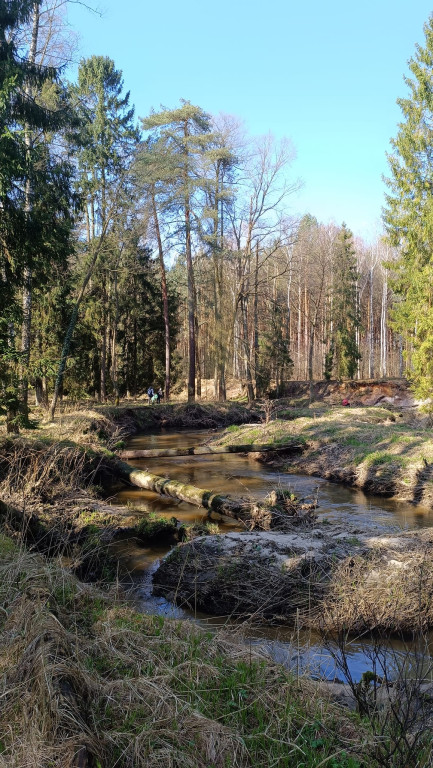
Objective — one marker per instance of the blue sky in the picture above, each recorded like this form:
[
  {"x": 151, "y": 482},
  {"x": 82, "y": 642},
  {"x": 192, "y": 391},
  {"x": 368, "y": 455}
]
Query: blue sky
[{"x": 327, "y": 75}]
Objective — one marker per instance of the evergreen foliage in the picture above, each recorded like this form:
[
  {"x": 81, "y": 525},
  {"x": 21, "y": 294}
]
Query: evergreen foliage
[
  {"x": 185, "y": 256},
  {"x": 408, "y": 215},
  {"x": 182, "y": 135},
  {"x": 274, "y": 353},
  {"x": 345, "y": 352},
  {"x": 36, "y": 202},
  {"x": 106, "y": 140}
]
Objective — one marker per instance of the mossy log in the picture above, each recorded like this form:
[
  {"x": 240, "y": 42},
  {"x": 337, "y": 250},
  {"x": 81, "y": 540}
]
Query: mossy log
[
  {"x": 252, "y": 514},
  {"x": 237, "y": 508},
  {"x": 200, "y": 450}
]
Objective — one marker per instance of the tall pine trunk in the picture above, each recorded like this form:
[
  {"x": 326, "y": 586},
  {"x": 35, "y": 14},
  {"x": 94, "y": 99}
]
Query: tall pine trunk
[
  {"x": 246, "y": 347},
  {"x": 383, "y": 328},
  {"x": 371, "y": 331},
  {"x": 164, "y": 295},
  {"x": 220, "y": 347},
  {"x": 114, "y": 350},
  {"x": 257, "y": 372}
]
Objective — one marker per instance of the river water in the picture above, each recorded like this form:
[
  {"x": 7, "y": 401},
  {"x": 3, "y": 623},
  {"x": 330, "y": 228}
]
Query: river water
[{"x": 241, "y": 475}]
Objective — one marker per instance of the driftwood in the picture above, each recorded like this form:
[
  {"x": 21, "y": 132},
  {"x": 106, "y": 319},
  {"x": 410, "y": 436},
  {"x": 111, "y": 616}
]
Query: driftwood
[
  {"x": 200, "y": 450},
  {"x": 237, "y": 508}
]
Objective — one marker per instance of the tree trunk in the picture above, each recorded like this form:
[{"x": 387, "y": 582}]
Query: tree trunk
[
  {"x": 204, "y": 450},
  {"x": 198, "y": 363},
  {"x": 371, "y": 331},
  {"x": 191, "y": 310},
  {"x": 28, "y": 274},
  {"x": 58, "y": 386},
  {"x": 310, "y": 361},
  {"x": 190, "y": 281},
  {"x": 246, "y": 346},
  {"x": 164, "y": 295},
  {"x": 240, "y": 509},
  {"x": 383, "y": 328},
  {"x": 257, "y": 372},
  {"x": 41, "y": 399},
  {"x": 103, "y": 362},
  {"x": 220, "y": 350},
  {"x": 114, "y": 355}
]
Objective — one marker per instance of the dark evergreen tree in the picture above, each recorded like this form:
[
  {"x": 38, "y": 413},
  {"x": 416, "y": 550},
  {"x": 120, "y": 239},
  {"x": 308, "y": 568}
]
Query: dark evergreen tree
[
  {"x": 35, "y": 194},
  {"x": 345, "y": 310},
  {"x": 105, "y": 147},
  {"x": 107, "y": 143},
  {"x": 408, "y": 215}
]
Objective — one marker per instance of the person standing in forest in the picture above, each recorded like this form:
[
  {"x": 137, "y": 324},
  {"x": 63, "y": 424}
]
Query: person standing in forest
[{"x": 150, "y": 394}]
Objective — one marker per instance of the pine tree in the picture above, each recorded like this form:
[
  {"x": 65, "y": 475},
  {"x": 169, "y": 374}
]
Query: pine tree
[
  {"x": 184, "y": 134},
  {"x": 408, "y": 215},
  {"x": 107, "y": 138},
  {"x": 105, "y": 148}
]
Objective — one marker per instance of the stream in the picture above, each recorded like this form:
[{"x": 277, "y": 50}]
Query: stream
[{"x": 241, "y": 475}]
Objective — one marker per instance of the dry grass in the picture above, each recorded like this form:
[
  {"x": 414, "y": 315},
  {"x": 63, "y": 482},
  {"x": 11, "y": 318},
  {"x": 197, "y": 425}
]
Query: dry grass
[
  {"x": 85, "y": 678},
  {"x": 381, "y": 591},
  {"x": 109, "y": 426},
  {"x": 372, "y": 448},
  {"x": 33, "y": 471},
  {"x": 243, "y": 581}
]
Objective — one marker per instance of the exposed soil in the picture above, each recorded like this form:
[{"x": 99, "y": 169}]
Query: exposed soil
[
  {"x": 370, "y": 392},
  {"x": 326, "y": 578}
]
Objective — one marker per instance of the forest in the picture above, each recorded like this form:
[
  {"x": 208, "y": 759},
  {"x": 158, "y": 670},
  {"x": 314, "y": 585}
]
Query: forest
[
  {"x": 164, "y": 250},
  {"x": 256, "y": 590}
]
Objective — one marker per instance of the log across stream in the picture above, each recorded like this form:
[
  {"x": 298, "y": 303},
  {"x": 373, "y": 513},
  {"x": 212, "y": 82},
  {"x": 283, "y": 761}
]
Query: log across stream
[
  {"x": 240, "y": 476},
  {"x": 199, "y": 497},
  {"x": 205, "y": 450},
  {"x": 251, "y": 513}
]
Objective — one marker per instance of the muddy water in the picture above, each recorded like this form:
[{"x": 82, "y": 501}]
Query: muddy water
[{"x": 243, "y": 476}]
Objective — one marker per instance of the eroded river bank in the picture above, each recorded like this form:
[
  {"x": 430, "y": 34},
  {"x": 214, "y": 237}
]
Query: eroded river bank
[{"x": 241, "y": 574}]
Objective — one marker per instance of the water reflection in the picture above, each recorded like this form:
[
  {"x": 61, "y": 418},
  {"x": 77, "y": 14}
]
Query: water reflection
[{"x": 242, "y": 476}]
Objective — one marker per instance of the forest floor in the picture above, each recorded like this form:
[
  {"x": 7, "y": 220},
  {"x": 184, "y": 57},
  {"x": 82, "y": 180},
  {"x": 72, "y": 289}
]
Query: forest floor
[{"x": 87, "y": 681}]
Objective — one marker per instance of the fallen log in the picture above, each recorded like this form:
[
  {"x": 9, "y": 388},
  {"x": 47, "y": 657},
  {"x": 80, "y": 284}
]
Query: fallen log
[
  {"x": 237, "y": 508},
  {"x": 252, "y": 514},
  {"x": 200, "y": 450}
]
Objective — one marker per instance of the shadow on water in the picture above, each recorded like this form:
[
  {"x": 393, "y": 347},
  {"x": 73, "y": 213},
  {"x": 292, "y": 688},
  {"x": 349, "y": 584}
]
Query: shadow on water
[{"x": 240, "y": 475}]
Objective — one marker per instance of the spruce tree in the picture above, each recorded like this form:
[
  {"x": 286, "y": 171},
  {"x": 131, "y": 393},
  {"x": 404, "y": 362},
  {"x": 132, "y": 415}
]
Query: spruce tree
[
  {"x": 35, "y": 195},
  {"x": 345, "y": 311},
  {"x": 408, "y": 215},
  {"x": 107, "y": 139}
]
